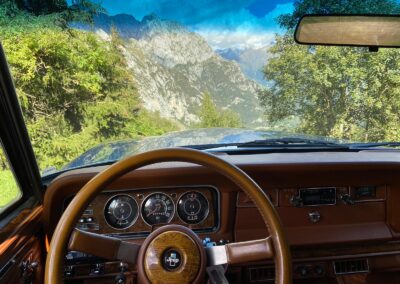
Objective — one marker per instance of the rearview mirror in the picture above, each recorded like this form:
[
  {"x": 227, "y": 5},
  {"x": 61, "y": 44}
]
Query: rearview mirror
[{"x": 349, "y": 30}]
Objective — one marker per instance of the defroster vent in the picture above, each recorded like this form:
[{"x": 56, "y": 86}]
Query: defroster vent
[
  {"x": 351, "y": 266},
  {"x": 261, "y": 274}
]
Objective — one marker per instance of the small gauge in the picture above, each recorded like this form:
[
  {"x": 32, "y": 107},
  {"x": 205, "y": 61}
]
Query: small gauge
[
  {"x": 158, "y": 208},
  {"x": 193, "y": 207},
  {"x": 121, "y": 211}
]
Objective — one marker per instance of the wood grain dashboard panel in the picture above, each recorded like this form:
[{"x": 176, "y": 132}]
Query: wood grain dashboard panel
[
  {"x": 275, "y": 173},
  {"x": 369, "y": 228},
  {"x": 96, "y": 210}
]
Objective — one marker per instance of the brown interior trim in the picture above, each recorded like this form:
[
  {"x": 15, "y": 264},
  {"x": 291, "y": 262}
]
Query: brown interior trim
[
  {"x": 103, "y": 246},
  {"x": 249, "y": 251},
  {"x": 27, "y": 220}
]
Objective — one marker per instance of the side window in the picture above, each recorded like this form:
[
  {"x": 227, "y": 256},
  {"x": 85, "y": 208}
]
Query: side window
[{"x": 9, "y": 188}]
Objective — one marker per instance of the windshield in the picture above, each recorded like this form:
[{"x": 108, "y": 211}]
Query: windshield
[{"x": 115, "y": 72}]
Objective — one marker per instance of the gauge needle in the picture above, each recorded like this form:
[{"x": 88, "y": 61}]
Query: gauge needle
[{"x": 157, "y": 208}]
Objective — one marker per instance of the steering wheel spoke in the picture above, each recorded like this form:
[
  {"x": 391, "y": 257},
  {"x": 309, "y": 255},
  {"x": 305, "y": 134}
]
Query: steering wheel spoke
[
  {"x": 240, "y": 252},
  {"x": 103, "y": 246}
]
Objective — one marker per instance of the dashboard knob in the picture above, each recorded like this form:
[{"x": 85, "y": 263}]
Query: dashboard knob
[
  {"x": 120, "y": 279},
  {"x": 296, "y": 201},
  {"x": 314, "y": 216},
  {"x": 319, "y": 270},
  {"x": 346, "y": 198},
  {"x": 303, "y": 271}
]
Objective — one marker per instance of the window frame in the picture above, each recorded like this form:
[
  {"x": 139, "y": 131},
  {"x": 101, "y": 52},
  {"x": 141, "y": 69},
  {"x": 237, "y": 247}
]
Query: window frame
[{"x": 16, "y": 143}]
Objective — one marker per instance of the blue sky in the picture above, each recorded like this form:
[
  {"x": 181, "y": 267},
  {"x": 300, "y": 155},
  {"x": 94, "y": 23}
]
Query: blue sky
[{"x": 224, "y": 23}]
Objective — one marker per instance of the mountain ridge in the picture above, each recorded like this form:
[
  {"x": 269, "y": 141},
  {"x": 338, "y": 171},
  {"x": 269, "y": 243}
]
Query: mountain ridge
[{"x": 173, "y": 68}]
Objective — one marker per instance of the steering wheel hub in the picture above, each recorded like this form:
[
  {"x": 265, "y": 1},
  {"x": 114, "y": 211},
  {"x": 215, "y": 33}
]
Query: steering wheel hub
[{"x": 172, "y": 254}]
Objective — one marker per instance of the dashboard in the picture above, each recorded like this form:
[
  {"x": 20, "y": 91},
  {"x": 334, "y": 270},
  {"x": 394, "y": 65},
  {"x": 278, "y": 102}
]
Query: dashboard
[{"x": 339, "y": 210}]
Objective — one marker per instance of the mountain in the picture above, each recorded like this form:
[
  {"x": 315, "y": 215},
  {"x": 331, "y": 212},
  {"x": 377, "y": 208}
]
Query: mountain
[
  {"x": 250, "y": 60},
  {"x": 174, "y": 67}
]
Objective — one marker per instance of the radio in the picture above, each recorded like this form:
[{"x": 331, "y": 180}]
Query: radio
[{"x": 314, "y": 197}]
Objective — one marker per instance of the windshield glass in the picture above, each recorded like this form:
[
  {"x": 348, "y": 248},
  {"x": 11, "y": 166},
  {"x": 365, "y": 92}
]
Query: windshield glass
[{"x": 96, "y": 79}]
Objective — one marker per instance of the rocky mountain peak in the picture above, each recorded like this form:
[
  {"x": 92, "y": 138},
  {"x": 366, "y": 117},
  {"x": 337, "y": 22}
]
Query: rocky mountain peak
[
  {"x": 151, "y": 18},
  {"x": 173, "y": 68}
]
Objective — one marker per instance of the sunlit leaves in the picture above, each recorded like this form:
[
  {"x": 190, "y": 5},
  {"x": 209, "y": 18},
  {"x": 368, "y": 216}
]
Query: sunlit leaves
[
  {"x": 336, "y": 91},
  {"x": 211, "y": 116}
]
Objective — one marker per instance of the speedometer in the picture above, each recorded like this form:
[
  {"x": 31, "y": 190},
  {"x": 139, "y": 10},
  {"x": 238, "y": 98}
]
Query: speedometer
[
  {"x": 158, "y": 208},
  {"x": 193, "y": 207},
  {"x": 121, "y": 211}
]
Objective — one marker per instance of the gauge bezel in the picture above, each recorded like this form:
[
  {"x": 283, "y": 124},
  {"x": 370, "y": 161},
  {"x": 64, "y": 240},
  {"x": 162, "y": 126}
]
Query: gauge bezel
[
  {"x": 205, "y": 216},
  {"x": 147, "y": 197},
  {"x": 134, "y": 220}
]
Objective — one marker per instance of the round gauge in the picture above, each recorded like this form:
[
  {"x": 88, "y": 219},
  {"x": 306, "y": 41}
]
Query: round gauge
[
  {"x": 193, "y": 207},
  {"x": 158, "y": 208},
  {"x": 121, "y": 211}
]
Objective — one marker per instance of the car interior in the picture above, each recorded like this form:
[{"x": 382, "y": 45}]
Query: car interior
[{"x": 273, "y": 211}]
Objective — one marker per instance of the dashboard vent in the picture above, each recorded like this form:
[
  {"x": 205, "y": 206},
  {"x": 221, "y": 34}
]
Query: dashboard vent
[
  {"x": 261, "y": 274},
  {"x": 351, "y": 266}
]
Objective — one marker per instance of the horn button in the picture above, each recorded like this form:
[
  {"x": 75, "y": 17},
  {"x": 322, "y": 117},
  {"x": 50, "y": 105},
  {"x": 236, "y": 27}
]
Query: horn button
[
  {"x": 171, "y": 256},
  {"x": 172, "y": 259}
]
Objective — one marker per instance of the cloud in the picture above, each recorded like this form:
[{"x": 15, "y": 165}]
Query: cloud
[
  {"x": 224, "y": 23},
  {"x": 242, "y": 29},
  {"x": 240, "y": 39}
]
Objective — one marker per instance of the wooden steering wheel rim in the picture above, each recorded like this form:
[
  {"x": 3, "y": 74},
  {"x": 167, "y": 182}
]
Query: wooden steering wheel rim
[{"x": 55, "y": 258}]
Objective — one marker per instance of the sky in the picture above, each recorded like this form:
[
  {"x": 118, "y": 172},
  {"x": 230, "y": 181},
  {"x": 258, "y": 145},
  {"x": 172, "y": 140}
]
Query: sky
[{"x": 224, "y": 23}]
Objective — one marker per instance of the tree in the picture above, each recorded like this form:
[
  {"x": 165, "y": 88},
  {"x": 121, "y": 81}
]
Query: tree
[
  {"x": 211, "y": 116},
  {"x": 80, "y": 11},
  {"x": 343, "y": 92}
]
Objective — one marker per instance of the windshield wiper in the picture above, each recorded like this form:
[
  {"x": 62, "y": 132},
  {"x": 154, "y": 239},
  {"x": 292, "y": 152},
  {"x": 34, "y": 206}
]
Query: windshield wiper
[
  {"x": 291, "y": 142},
  {"x": 375, "y": 144},
  {"x": 279, "y": 143}
]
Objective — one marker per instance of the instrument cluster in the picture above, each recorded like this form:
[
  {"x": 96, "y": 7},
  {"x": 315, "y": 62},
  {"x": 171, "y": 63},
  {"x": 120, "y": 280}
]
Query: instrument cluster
[
  {"x": 138, "y": 211},
  {"x": 122, "y": 211}
]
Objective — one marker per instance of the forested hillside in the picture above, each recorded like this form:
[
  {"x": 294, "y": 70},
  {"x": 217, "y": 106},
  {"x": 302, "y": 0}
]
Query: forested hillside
[{"x": 74, "y": 88}]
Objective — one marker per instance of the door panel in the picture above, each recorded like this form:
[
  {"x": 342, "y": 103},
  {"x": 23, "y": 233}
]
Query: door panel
[{"x": 22, "y": 252}]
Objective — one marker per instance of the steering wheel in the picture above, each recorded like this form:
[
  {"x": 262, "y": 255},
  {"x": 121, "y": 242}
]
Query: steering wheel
[{"x": 181, "y": 243}]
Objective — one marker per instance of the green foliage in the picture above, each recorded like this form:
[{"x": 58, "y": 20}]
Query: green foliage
[
  {"x": 80, "y": 11},
  {"x": 302, "y": 7},
  {"x": 75, "y": 89},
  {"x": 211, "y": 116},
  {"x": 9, "y": 190},
  {"x": 343, "y": 92},
  {"x": 56, "y": 72},
  {"x": 76, "y": 11}
]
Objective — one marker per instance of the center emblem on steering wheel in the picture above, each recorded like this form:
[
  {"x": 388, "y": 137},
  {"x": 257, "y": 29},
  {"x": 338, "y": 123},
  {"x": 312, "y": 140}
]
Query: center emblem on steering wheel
[{"x": 171, "y": 259}]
